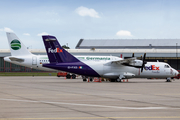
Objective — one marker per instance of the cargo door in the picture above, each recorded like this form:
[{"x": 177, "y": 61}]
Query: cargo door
[{"x": 34, "y": 60}]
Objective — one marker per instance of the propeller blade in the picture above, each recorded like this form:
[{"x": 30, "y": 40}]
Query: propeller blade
[
  {"x": 133, "y": 55},
  {"x": 142, "y": 69},
  {"x": 144, "y": 57},
  {"x": 143, "y": 64}
]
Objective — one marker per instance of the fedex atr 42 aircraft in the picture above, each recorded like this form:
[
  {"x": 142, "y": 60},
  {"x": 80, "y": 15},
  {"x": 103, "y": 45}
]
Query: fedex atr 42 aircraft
[
  {"x": 21, "y": 56},
  {"x": 116, "y": 70}
]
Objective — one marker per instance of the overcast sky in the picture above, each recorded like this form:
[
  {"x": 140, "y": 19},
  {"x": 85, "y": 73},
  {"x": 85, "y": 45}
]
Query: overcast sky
[{"x": 71, "y": 20}]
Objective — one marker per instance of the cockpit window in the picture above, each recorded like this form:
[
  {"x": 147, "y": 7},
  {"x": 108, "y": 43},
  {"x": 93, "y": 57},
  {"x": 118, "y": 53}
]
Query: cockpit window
[{"x": 166, "y": 66}]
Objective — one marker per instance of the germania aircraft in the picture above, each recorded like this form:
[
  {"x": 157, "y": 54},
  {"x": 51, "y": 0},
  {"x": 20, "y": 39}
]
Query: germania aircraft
[
  {"x": 20, "y": 55},
  {"x": 116, "y": 70}
]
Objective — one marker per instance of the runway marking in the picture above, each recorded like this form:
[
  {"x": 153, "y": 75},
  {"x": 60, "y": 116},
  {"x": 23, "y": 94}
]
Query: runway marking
[
  {"x": 101, "y": 94},
  {"x": 167, "y": 94},
  {"x": 87, "y": 105},
  {"x": 122, "y": 94},
  {"x": 74, "y": 118},
  {"x": 30, "y": 94}
]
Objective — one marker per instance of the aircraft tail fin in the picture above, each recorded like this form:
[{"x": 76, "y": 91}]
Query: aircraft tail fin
[
  {"x": 55, "y": 52},
  {"x": 17, "y": 48}
]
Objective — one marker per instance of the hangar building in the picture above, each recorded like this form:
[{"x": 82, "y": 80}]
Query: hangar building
[
  {"x": 165, "y": 50},
  {"x": 128, "y": 44}
]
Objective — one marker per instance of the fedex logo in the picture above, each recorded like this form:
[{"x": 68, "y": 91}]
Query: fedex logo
[
  {"x": 152, "y": 67},
  {"x": 57, "y": 50}
]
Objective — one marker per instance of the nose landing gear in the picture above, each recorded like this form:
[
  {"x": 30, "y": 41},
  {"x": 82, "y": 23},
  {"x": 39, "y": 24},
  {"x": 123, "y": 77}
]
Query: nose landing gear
[{"x": 168, "y": 79}]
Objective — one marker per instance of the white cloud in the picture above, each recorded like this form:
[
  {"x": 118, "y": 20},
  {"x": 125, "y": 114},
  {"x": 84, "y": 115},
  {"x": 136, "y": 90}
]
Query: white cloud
[
  {"x": 43, "y": 33},
  {"x": 6, "y": 29},
  {"x": 84, "y": 11},
  {"x": 27, "y": 34},
  {"x": 123, "y": 33}
]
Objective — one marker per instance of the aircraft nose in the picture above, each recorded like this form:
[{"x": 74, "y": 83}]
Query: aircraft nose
[{"x": 175, "y": 72}]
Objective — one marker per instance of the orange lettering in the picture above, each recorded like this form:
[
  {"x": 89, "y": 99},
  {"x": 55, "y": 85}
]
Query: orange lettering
[
  {"x": 59, "y": 50},
  {"x": 153, "y": 67},
  {"x": 157, "y": 68}
]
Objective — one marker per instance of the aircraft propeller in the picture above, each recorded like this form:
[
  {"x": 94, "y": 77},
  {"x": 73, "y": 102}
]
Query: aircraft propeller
[
  {"x": 143, "y": 64},
  {"x": 133, "y": 55}
]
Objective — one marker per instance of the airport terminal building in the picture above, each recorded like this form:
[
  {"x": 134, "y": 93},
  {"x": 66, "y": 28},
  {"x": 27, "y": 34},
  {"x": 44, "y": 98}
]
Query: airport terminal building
[{"x": 165, "y": 50}]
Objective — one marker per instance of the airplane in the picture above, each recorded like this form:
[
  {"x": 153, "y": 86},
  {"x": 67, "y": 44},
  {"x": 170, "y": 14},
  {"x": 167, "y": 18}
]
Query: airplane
[
  {"x": 115, "y": 70},
  {"x": 20, "y": 55}
]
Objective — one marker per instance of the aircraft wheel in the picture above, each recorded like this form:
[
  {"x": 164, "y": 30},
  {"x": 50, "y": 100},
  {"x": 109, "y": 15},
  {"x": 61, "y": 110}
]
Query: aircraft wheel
[
  {"x": 84, "y": 80},
  {"x": 113, "y": 80},
  {"x": 91, "y": 79},
  {"x": 118, "y": 80},
  {"x": 73, "y": 76},
  {"x": 68, "y": 76},
  {"x": 168, "y": 80}
]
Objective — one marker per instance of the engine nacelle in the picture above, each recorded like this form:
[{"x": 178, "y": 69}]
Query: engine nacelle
[{"x": 136, "y": 63}]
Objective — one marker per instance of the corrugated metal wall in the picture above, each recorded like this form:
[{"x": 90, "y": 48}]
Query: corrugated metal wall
[{"x": 9, "y": 67}]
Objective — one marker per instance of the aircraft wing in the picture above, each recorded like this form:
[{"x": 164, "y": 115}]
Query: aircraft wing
[
  {"x": 16, "y": 59},
  {"x": 127, "y": 61},
  {"x": 133, "y": 62}
]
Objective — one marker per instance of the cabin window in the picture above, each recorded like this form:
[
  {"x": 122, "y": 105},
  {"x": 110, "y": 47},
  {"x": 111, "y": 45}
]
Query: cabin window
[{"x": 166, "y": 66}]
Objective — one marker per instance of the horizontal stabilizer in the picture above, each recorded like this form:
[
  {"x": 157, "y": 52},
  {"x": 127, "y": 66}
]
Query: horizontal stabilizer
[{"x": 16, "y": 59}]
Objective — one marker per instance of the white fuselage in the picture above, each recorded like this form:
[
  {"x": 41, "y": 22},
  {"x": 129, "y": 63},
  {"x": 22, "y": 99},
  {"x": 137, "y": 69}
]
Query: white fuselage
[
  {"x": 101, "y": 65},
  {"x": 113, "y": 71},
  {"x": 36, "y": 61}
]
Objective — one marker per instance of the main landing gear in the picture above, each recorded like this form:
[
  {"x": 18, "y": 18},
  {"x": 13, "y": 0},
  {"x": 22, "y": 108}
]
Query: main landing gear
[
  {"x": 115, "y": 80},
  {"x": 85, "y": 78},
  {"x": 119, "y": 79},
  {"x": 70, "y": 76}
]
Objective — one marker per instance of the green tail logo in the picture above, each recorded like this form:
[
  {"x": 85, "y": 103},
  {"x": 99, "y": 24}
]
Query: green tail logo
[{"x": 15, "y": 45}]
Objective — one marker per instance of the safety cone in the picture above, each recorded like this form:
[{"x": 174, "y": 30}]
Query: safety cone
[
  {"x": 95, "y": 79},
  {"x": 127, "y": 80},
  {"x": 123, "y": 80},
  {"x": 88, "y": 79}
]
